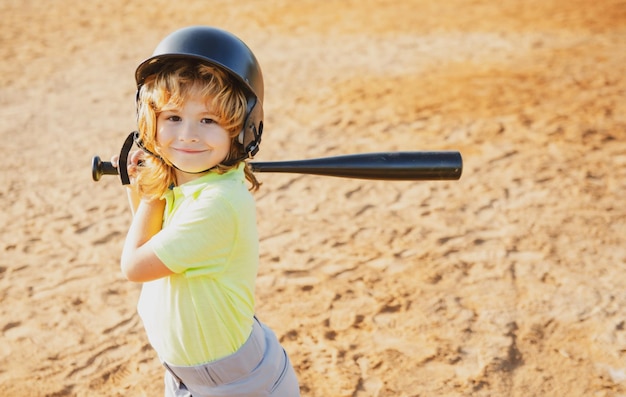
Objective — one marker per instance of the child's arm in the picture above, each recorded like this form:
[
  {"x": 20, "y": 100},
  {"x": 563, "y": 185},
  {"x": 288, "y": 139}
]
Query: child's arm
[
  {"x": 133, "y": 198},
  {"x": 139, "y": 263},
  {"x": 133, "y": 193}
]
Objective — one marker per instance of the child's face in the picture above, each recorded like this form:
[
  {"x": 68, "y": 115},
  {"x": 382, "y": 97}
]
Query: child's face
[{"x": 190, "y": 138}]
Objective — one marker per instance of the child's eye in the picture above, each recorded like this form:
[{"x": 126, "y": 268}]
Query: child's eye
[
  {"x": 207, "y": 120},
  {"x": 174, "y": 118}
]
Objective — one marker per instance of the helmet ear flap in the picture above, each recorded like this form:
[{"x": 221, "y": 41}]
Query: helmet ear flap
[{"x": 250, "y": 135}]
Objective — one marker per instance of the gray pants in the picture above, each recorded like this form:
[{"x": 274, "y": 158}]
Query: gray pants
[{"x": 260, "y": 368}]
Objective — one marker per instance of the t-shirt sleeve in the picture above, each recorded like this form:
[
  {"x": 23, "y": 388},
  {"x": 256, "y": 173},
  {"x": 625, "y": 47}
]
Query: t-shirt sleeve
[{"x": 200, "y": 237}]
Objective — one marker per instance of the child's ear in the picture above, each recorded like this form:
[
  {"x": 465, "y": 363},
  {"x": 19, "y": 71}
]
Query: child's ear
[{"x": 240, "y": 137}]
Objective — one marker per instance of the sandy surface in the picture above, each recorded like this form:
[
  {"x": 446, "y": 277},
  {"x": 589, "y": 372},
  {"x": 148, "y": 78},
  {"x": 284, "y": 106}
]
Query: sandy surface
[{"x": 508, "y": 282}]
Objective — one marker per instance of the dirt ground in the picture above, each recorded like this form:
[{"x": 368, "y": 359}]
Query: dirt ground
[{"x": 508, "y": 282}]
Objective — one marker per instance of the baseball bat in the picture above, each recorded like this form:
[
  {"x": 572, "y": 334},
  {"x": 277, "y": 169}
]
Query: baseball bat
[{"x": 395, "y": 166}]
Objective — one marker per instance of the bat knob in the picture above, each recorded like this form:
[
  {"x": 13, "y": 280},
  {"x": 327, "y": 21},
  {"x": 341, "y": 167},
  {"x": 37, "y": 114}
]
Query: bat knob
[{"x": 99, "y": 168}]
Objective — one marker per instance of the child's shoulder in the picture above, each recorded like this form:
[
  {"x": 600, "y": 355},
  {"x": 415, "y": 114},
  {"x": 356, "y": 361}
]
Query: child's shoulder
[{"x": 230, "y": 189}]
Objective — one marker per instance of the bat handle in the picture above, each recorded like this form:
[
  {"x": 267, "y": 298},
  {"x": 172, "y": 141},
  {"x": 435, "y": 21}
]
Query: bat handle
[{"x": 99, "y": 168}]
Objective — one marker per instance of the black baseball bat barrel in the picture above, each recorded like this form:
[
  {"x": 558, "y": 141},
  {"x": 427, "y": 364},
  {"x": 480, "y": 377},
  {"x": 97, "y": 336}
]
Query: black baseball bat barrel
[{"x": 395, "y": 166}]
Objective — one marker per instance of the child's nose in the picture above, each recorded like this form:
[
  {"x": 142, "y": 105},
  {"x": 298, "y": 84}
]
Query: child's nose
[{"x": 188, "y": 132}]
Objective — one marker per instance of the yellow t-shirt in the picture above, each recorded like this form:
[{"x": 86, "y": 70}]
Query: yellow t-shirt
[{"x": 209, "y": 239}]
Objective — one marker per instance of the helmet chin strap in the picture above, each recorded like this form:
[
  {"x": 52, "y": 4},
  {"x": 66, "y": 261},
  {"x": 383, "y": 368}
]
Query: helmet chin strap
[{"x": 123, "y": 161}]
